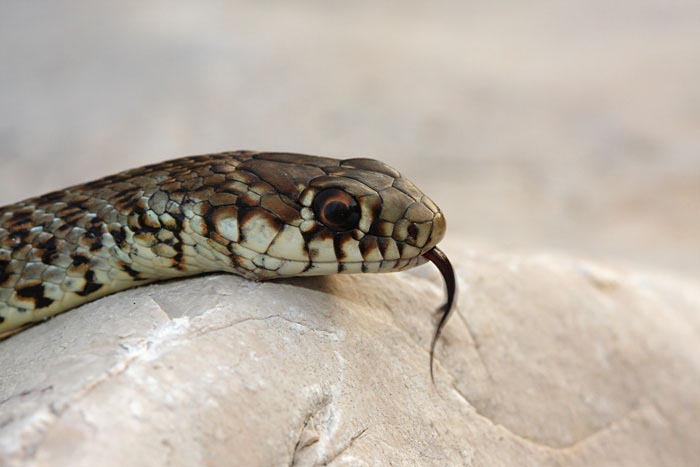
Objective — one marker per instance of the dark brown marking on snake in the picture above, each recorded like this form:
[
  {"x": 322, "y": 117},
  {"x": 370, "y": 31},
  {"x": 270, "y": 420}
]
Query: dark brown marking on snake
[
  {"x": 78, "y": 267},
  {"x": 21, "y": 251},
  {"x": 34, "y": 293},
  {"x": 93, "y": 237},
  {"x": 357, "y": 234},
  {"x": 79, "y": 259},
  {"x": 21, "y": 213},
  {"x": 168, "y": 241},
  {"x": 52, "y": 197},
  {"x": 69, "y": 210},
  {"x": 50, "y": 250},
  {"x": 93, "y": 242},
  {"x": 80, "y": 201},
  {"x": 247, "y": 214},
  {"x": 179, "y": 258},
  {"x": 305, "y": 248},
  {"x": 400, "y": 246},
  {"x": 375, "y": 226},
  {"x": 169, "y": 223},
  {"x": 338, "y": 243},
  {"x": 5, "y": 275},
  {"x": 19, "y": 217},
  {"x": 383, "y": 244},
  {"x": 129, "y": 270},
  {"x": 210, "y": 219},
  {"x": 19, "y": 236},
  {"x": 96, "y": 221},
  {"x": 313, "y": 253},
  {"x": 119, "y": 236},
  {"x": 91, "y": 286},
  {"x": 114, "y": 179},
  {"x": 145, "y": 239},
  {"x": 179, "y": 219},
  {"x": 124, "y": 194},
  {"x": 367, "y": 245},
  {"x": 73, "y": 219},
  {"x": 2, "y": 318},
  {"x": 65, "y": 228},
  {"x": 20, "y": 228},
  {"x": 124, "y": 199},
  {"x": 318, "y": 232},
  {"x": 148, "y": 224},
  {"x": 215, "y": 236},
  {"x": 133, "y": 222}
]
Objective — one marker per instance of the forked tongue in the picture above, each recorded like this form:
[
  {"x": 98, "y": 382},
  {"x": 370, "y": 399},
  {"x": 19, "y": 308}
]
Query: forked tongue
[{"x": 438, "y": 258}]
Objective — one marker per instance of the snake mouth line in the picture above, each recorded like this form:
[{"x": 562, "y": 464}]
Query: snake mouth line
[
  {"x": 395, "y": 260},
  {"x": 439, "y": 259}
]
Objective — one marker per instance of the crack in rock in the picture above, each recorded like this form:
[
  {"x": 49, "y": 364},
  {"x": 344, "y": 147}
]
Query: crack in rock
[
  {"x": 208, "y": 330},
  {"x": 26, "y": 393},
  {"x": 304, "y": 440},
  {"x": 309, "y": 436},
  {"x": 347, "y": 445}
]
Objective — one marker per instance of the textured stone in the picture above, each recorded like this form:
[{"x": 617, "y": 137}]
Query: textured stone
[{"x": 549, "y": 361}]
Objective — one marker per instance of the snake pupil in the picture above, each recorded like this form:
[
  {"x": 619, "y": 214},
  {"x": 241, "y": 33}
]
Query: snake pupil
[{"x": 337, "y": 210}]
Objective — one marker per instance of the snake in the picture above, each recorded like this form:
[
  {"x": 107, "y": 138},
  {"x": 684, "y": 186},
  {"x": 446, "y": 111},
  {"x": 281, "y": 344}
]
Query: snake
[{"x": 260, "y": 215}]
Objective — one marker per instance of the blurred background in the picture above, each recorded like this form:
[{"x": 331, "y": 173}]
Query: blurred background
[{"x": 538, "y": 126}]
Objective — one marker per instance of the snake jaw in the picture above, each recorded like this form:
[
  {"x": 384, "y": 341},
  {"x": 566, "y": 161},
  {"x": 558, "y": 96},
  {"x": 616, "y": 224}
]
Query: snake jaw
[{"x": 439, "y": 259}]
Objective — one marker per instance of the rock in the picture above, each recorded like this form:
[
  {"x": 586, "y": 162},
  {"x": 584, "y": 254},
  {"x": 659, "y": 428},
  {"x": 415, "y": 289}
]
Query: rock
[{"x": 550, "y": 361}]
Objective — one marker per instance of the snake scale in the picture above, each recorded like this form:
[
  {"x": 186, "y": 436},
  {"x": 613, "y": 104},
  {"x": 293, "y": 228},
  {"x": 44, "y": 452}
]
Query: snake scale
[{"x": 261, "y": 215}]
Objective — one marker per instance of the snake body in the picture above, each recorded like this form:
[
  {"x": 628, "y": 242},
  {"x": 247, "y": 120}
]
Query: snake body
[{"x": 257, "y": 214}]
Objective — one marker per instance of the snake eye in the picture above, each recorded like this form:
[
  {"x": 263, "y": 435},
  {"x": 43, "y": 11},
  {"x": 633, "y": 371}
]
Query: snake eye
[{"x": 336, "y": 209}]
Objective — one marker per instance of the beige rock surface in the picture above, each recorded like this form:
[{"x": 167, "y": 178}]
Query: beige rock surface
[
  {"x": 549, "y": 361},
  {"x": 545, "y": 126}
]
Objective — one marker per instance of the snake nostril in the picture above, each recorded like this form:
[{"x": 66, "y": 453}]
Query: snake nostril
[{"x": 413, "y": 232}]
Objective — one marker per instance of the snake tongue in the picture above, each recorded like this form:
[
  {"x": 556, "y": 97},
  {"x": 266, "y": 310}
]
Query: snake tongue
[{"x": 439, "y": 259}]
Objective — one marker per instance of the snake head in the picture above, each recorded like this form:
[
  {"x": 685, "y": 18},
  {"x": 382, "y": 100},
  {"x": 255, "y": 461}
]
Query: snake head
[
  {"x": 363, "y": 216},
  {"x": 305, "y": 215}
]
